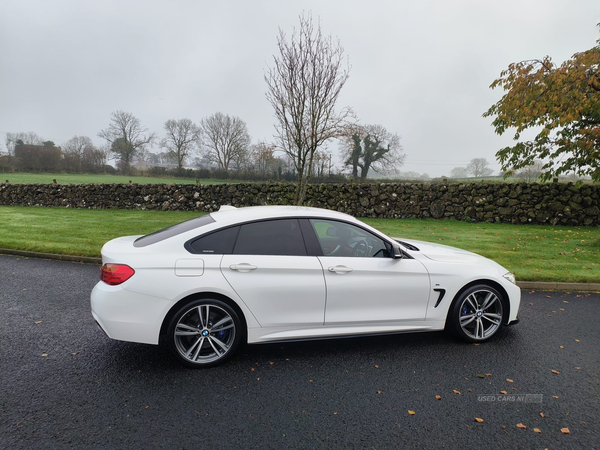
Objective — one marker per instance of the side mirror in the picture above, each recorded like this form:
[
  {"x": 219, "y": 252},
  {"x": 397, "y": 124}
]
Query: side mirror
[{"x": 396, "y": 252}]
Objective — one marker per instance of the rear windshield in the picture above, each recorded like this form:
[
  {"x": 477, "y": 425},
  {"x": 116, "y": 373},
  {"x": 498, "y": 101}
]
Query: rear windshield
[{"x": 173, "y": 230}]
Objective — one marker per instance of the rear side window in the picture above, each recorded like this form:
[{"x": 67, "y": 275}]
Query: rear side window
[
  {"x": 173, "y": 230},
  {"x": 220, "y": 242},
  {"x": 271, "y": 237}
]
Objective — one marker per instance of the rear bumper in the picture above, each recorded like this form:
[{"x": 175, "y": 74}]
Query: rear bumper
[{"x": 128, "y": 316}]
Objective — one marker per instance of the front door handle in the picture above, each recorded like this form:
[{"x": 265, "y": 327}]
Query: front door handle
[
  {"x": 243, "y": 267},
  {"x": 340, "y": 269}
]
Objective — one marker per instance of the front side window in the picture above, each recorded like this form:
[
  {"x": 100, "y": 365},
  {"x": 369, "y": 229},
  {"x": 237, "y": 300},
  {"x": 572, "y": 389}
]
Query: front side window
[
  {"x": 271, "y": 237},
  {"x": 342, "y": 239}
]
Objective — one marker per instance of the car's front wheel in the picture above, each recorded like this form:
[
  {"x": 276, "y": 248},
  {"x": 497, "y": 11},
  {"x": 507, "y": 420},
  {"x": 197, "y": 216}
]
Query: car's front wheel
[
  {"x": 478, "y": 313},
  {"x": 204, "y": 333}
]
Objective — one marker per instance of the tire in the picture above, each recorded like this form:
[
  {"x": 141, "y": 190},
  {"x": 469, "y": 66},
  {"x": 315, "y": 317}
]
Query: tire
[
  {"x": 478, "y": 313},
  {"x": 204, "y": 333}
]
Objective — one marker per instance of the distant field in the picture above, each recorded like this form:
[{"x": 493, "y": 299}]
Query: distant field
[
  {"x": 66, "y": 178},
  {"x": 533, "y": 252}
]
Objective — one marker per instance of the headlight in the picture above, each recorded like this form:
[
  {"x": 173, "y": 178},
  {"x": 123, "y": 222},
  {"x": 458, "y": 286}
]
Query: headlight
[{"x": 510, "y": 277}]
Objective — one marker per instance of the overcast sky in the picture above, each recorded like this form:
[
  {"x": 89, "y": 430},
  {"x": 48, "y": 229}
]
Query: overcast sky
[{"x": 421, "y": 69}]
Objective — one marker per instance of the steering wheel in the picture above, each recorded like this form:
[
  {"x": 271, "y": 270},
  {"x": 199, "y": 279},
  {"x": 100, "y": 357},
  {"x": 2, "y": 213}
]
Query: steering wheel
[{"x": 360, "y": 249}]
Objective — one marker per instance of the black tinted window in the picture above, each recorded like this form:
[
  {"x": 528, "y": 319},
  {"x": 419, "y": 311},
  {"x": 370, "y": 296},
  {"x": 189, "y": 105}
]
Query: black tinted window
[
  {"x": 273, "y": 237},
  {"x": 173, "y": 230},
  {"x": 220, "y": 242}
]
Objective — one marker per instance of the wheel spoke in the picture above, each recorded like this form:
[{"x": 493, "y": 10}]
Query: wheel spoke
[
  {"x": 186, "y": 330},
  {"x": 466, "y": 320},
  {"x": 479, "y": 330},
  {"x": 210, "y": 341},
  {"x": 187, "y": 333},
  {"x": 191, "y": 349},
  {"x": 489, "y": 302},
  {"x": 224, "y": 320},
  {"x": 195, "y": 358},
  {"x": 473, "y": 305},
  {"x": 223, "y": 346},
  {"x": 494, "y": 318}
]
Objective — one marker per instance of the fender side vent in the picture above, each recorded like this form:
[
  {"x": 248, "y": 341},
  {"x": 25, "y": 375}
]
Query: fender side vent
[{"x": 442, "y": 292}]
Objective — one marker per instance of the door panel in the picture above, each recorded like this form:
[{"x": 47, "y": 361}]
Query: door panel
[
  {"x": 279, "y": 290},
  {"x": 363, "y": 290}
]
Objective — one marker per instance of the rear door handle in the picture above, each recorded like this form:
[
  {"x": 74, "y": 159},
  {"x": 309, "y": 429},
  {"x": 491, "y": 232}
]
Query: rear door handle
[
  {"x": 243, "y": 267},
  {"x": 340, "y": 269}
]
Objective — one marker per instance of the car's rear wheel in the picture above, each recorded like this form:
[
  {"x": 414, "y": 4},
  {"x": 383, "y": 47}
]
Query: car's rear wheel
[
  {"x": 204, "y": 333},
  {"x": 478, "y": 313}
]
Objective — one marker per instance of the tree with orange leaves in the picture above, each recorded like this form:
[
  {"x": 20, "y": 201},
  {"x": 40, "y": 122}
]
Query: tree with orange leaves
[{"x": 563, "y": 102}]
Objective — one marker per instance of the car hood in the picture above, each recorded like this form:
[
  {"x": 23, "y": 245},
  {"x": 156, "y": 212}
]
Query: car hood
[{"x": 440, "y": 252}]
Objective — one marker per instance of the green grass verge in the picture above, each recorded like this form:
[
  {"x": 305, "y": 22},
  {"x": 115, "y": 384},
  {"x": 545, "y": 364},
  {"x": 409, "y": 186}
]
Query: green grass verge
[
  {"x": 75, "y": 178},
  {"x": 534, "y": 253}
]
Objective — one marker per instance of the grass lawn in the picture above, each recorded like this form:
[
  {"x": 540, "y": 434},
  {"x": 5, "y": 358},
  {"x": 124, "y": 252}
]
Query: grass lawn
[
  {"x": 534, "y": 253},
  {"x": 77, "y": 178}
]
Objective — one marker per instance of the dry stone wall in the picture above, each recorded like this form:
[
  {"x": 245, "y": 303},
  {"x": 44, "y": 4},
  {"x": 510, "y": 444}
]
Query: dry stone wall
[{"x": 553, "y": 203}]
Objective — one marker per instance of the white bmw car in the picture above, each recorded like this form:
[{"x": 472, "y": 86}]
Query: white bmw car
[{"x": 278, "y": 273}]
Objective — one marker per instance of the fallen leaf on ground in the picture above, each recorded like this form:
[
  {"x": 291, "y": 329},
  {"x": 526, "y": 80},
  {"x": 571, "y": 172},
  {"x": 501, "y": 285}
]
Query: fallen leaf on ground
[
  {"x": 438, "y": 397},
  {"x": 481, "y": 376},
  {"x": 44, "y": 354},
  {"x": 488, "y": 374},
  {"x": 412, "y": 413},
  {"x": 555, "y": 396},
  {"x": 478, "y": 419},
  {"x": 542, "y": 415},
  {"x": 562, "y": 346},
  {"x": 555, "y": 371},
  {"x": 521, "y": 426},
  {"x": 509, "y": 380},
  {"x": 376, "y": 366},
  {"x": 576, "y": 340},
  {"x": 455, "y": 391},
  {"x": 578, "y": 368},
  {"x": 548, "y": 296},
  {"x": 38, "y": 322},
  {"x": 380, "y": 392},
  {"x": 565, "y": 430},
  {"x": 504, "y": 392},
  {"x": 537, "y": 430},
  {"x": 76, "y": 353}
]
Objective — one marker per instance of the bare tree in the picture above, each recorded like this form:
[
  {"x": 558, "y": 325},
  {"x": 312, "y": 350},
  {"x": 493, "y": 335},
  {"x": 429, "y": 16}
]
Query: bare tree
[
  {"x": 459, "y": 172},
  {"x": 181, "y": 139},
  {"x": 371, "y": 147},
  {"x": 126, "y": 137},
  {"x": 303, "y": 88},
  {"x": 27, "y": 138},
  {"x": 264, "y": 158},
  {"x": 531, "y": 172},
  {"x": 478, "y": 167},
  {"x": 225, "y": 139},
  {"x": 74, "y": 150}
]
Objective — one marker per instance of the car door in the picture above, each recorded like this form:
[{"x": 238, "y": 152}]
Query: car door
[
  {"x": 365, "y": 285},
  {"x": 272, "y": 273}
]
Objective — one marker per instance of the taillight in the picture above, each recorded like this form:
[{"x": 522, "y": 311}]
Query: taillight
[{"x": 115, "y": 274}]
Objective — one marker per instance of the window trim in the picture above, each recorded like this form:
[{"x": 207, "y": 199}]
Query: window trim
[{"x": 311, "y": 242}]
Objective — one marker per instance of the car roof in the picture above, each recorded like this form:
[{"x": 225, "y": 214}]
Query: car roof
[{"x": 234, "y": 215}]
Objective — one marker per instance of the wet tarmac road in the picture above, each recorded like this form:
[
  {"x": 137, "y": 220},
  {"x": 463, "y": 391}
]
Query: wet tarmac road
[{"x": 63, "y": 384}]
